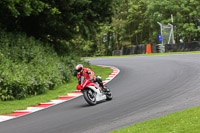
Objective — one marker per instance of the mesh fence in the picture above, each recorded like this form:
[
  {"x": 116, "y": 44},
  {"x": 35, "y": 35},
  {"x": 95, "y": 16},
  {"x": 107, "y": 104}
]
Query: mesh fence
[{"x": 167, "y": 34}]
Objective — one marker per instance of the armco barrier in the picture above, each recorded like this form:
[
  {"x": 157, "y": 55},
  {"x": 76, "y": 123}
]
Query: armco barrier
[
  {"x": 138, "y": 49},
  {"x": 155, "y": 48},
  {"x": 117, "y": 52},
  {"x": 183, "y": 47}
]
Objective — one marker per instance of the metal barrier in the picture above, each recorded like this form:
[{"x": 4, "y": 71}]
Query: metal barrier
[
  {"x": 183, "y": 47},
  {"x": 117, "y": 53},
  {"x": 157, "y": 48}
]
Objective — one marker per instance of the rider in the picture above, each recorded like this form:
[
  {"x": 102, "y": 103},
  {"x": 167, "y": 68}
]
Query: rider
[{"x": 88, "y": 74}]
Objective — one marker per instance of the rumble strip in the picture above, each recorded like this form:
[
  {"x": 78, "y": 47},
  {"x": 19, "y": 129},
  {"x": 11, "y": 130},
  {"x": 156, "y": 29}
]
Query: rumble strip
[{"x": 54, "y": 102}]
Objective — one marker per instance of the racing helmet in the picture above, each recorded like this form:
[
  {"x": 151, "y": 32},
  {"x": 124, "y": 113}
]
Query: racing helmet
[{"x": 79, "y": 68}]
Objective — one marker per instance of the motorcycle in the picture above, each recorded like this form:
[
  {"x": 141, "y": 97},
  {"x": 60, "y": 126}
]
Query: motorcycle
[{"x": 92, "y": 92}]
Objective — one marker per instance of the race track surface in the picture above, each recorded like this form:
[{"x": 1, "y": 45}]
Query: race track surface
[{"x": 146, "y": 87}]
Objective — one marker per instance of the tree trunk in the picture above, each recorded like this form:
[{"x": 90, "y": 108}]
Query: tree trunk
[
  {"x": 108, "y": 43},
  {"x": 130, "y": 33},
  {"x": 116, "y": 43}
]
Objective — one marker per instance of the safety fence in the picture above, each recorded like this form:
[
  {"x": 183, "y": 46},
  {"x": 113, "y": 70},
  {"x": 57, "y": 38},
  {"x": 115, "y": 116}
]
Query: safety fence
[
  {"x": 156, "y": 48},
  {"x": 117, "y": 52},
  {"x": 137, "y": 49},
  {"x": 183, "y": 47}
]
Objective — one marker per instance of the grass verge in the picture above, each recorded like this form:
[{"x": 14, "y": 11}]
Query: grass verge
[
  {"x": 172, "y": 53},
  {"x": 186, "y": 121},
  {"x": 7, "y": 107}
]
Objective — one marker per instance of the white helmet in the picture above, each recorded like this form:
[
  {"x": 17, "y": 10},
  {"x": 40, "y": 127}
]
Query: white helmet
[{"x": 79, "y": 68}]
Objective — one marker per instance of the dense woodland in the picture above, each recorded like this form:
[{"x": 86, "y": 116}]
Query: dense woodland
[
  {"x": 96, "y": 27},
  {"x": 56, "y": 33}
]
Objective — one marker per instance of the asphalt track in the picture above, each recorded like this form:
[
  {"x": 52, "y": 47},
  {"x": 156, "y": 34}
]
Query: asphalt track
[{"x": 146, "y": 87}]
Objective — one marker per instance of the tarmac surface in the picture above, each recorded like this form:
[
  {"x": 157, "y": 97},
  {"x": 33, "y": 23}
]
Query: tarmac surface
[{"x": 147, "y": 87}]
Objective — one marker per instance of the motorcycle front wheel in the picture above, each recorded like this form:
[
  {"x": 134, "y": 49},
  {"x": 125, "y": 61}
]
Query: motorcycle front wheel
[{"x": 89, "y": 96}]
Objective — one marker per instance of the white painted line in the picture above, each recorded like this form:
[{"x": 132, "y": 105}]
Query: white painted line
[
  {"x": 57, "y": 101},
  {"x": 33, "y": 109},
  {"x": 21, "y": 111},
  {"x": 4, "y": 118},
  {"x": 48, "y": 103},
  {"x": 74, "y": 94}
]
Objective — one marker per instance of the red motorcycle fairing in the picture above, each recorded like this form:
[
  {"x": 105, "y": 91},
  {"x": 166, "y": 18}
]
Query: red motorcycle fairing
[
  {"x": 87, "y": 83},
  {"x": 78, "y": 87}
]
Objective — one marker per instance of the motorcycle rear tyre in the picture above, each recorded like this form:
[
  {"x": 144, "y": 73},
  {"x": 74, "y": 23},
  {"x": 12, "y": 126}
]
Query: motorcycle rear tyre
[
  {"x": 108, "y": 95},
  {"x": 87, "y": 97}
]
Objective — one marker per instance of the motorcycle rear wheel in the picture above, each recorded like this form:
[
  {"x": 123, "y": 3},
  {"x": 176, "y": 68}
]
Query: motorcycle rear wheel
[
  {"x": 108, "y": 95},
  {"x": 89, "y": 96}
]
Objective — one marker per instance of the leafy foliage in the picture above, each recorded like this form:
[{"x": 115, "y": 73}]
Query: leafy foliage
[
  {"x": 28, "y": 67},
  {"x": 186, "y": 18},
  {"x": 135, "y": 22},
  {"x": 97, "y": 27},
  {"x": 53, "y": 19}
]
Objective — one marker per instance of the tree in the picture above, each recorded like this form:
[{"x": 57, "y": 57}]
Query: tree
[
  {"x": 186, "y": 16},
  {"x": 138, "y": 21},
  {"x": 54, "y": 19}
]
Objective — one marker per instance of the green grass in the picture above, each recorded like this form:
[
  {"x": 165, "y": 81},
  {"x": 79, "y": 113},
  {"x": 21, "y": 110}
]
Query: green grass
[
  {"x": 186, "y": 121},
  {"x": 190, "y": 52},
  {"x": 7, "y": 107}
]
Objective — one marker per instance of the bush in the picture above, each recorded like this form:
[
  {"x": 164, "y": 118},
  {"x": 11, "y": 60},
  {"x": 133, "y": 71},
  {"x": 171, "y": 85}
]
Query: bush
[{"x": 29, "y": 67}]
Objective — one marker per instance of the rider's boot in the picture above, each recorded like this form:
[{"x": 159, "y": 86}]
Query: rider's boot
[
  {"x": 104, "y": 88},
  {"x": 99, "y": 80}
]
